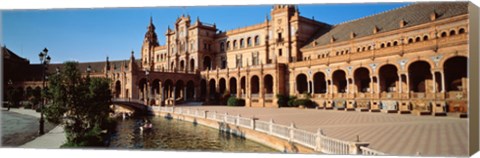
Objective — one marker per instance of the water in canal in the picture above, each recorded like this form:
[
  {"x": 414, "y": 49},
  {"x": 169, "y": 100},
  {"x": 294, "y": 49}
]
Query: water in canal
[{"x": 179, "y": 135}]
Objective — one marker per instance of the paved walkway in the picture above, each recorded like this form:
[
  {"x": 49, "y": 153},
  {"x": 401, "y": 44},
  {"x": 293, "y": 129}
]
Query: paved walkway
[
  {"x": 17, "y": 130},
  {"x": 390, "y": 133}
]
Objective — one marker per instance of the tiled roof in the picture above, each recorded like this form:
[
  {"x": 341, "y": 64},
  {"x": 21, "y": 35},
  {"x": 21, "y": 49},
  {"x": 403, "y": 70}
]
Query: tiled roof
[{"x": 414, "y": 14}]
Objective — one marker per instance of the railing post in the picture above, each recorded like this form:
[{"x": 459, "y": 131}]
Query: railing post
[
  {"x": 205, "y": 114},
  {"x": 237, "y": 121},
  {"x": 225, "y": 117},
  {"x": 270, "y": 127},
  {"x": 292, "y": 127},
  {"x": 318, "y": 140},
  {"x": 253, "y": 123}
]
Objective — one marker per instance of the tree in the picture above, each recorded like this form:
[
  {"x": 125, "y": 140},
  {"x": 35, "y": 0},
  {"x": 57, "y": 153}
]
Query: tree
[
  {"x": 14, "y": 96},
  {"x": 83, "y": 102}
]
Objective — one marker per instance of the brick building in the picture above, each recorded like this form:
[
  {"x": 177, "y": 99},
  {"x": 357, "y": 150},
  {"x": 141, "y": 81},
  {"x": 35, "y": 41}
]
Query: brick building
[{"x": 410, "y": 59}]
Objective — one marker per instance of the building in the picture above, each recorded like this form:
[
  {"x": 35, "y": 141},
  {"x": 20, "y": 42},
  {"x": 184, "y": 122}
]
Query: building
[{"x": 411, "y": 59}]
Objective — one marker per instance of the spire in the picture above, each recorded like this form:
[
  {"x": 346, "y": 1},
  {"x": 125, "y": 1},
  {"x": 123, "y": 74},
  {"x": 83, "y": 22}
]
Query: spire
[{"x": 151, "y": 36}]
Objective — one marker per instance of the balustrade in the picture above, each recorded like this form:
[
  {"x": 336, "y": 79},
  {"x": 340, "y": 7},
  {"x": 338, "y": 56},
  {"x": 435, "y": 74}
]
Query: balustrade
[{"x": 316, "y": 141}]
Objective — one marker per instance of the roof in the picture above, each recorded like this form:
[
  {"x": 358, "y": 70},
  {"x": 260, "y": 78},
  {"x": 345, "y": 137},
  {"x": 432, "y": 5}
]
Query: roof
[
  {"x": 414, "y": 14},
  {"x": 8, "y": 54}
]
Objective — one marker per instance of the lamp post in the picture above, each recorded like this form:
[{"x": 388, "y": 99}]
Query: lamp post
[
  {"x": 146, "y": 91},
  {"x": 44, "y": 60}
]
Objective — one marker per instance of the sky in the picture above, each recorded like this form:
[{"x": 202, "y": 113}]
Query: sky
[{"x": 88, "y": 35}]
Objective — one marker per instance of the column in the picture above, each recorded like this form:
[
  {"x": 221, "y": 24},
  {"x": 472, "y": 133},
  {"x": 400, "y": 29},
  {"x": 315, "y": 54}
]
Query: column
[
  {"x": 185, "y": 93},
  {"x": 408, "y": 82},
  {"x": 162, "y": 100},
  {"x": 326, "y": 86},
  {"x": 239, "y": 87},
  {"x": 309, "y": 87},
  {"x": 348, "y": 86},
  {"x": 401, "y": 83},
  {"x": 434, "y": 89},
  {"x": 313, "y": 86},
  {"x": 443, "y": 81},
  {"x": 174, "y": 95},
  {"x": 378, "y": 84},
  {"x": 371, "y": 85},
  {"x": 261, "y": 87},
  {"x": 207, "y": 96}
]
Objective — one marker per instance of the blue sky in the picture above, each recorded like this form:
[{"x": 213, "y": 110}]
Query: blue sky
[{"x": 92, "y": 34}]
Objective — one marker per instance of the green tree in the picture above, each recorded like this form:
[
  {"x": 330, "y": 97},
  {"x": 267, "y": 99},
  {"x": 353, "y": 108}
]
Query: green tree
[
  {"x": 84, "y": 102},
  {"x": 14, "y": 96}
]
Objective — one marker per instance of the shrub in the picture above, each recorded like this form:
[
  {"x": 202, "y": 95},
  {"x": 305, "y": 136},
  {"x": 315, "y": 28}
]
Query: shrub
[
  {"x": 233, "y": 101},
  {"x": 282, "y": 100},
  {"x": 291, "y": 100},
  {"x": 305, "y": 102}
]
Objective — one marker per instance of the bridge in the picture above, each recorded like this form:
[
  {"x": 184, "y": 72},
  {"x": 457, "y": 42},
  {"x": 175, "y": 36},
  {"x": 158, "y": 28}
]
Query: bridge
[{"x": 138, "y": 106}]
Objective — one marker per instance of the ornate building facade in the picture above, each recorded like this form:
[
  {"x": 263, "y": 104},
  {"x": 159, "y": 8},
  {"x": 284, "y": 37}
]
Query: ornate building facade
[{"x": 411, "y": 59}]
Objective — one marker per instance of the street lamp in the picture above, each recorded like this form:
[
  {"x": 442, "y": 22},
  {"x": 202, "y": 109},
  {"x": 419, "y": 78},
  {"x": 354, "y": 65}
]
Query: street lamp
[{"x": 44, "y": 60}]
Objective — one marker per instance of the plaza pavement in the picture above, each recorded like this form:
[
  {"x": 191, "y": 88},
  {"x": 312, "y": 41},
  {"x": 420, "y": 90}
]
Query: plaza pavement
[
  {"x": 51, "y": 139},
  {"x": 393, "y": 134}
]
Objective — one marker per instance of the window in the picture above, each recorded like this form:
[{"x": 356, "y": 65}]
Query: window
[
  {"x": 257, "y": 40},
  {"x": 204, "y": 46},
  {"x": 255, "y": 58},
  {"x": 425, "y": 37},
  {"x": 249, "y": 42},
  {"x": 238, "y": 61},
  {"x": 417, "y": 39},
  {"x": 222, "y": 47},
  {"x": 279, "y": 35},
  {"x": 242, "y": 43},
  {"x": 234, "y": 44},
  {"x": 452, "y": 32},
  {"x": 279, "y": 52},
  {"x": 461, "y": 31},
  {"x": 228, "y": 45},
  {"x": 444, "y": 34}
]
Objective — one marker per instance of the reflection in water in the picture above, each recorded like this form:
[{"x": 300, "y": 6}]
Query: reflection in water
[{"x": 179, "y": 135}]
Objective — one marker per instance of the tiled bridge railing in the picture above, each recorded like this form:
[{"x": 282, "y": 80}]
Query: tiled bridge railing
[{"x": 316, "y": 141}]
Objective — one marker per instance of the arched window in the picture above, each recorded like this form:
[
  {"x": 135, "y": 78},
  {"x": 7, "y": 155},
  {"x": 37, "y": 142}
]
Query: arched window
[
  {"x": 249, "y": 42},
  {"x": 382, "y": 45},
  {"x": 234, "y": 44},
  {"x": 389, "y": 44},
  {"x": 228, "y": 45},
  {"x": 242, "y": 43},
  {"x": 222, "y": 46},
  {"x": 461, "y": 31},
  {"x": 395, "y": 43},
  {"x": 452, "y": 32},
  {"x": 417, "y": 39},
  {"x": 444, "y": 34},
  {"x": 257, "y": 40},
  {"x": 410, "y": 40},
  {"x": 425, "y": 37}
]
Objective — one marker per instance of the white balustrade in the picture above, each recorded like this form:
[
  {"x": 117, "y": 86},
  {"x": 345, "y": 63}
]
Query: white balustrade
[
  {"x": 281, "y": 131},
  {"x": 368, "y": 151},
  {"x": 245, "y": 122},
  {"x": 230, "y": 119},
  {"x": 262, "y": 126},
  {"x": 305, "y": 138},
  {"x": 334, "y": 146}
]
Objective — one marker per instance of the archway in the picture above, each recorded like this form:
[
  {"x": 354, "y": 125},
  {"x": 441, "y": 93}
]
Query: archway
[
  {"x": 388, "y": 78},
  {"x": 254, "y": 85},
  {"x": 142, "y": 86},
  {"x": 455, "y": 72},
  {"x": 203, "y": 89},
  {"x": 192, "y": 65},
  {"x": 319, "y": 83},
  {"x": 268, "y": 84},
  {"x": 207, "y": 63},
  {"x": 212, "y": 89},
  {"x": 222, "y": 86},
  {"x": 180, "y": 90},
  {"x": 182, "y": 65},
  {"x": 302, "y": 84},
  {"x": 362, "y": 79},
  {"x": 420, "y": 76},
  {"x": 190, "y": 90},
  {"x": 233, "y": 85},
  {"x": 243, "y": 85},
  {"x": 155, "y": 87},
  {"x": 118, "y": 89},
  {"x": 339, "y": 79},
  {"x": 168, "y": 88}
]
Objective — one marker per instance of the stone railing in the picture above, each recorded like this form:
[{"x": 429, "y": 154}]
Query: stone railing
[
  {"x": 316, "y": 141},
  {"x": 368, "y": 151}
]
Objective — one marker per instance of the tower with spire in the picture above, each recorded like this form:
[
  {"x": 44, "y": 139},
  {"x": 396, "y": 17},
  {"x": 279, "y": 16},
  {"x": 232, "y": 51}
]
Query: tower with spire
[{"x": 150, "y": 41}]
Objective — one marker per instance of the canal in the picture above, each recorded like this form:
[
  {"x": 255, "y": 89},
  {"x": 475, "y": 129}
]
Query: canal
[{"x": 172, "y": 134}]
